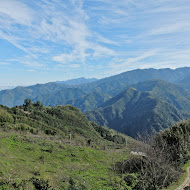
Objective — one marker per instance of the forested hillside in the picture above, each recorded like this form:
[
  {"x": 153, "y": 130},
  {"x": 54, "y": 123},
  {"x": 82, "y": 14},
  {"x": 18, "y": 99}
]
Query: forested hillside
[{"x": 155, "y": 106}]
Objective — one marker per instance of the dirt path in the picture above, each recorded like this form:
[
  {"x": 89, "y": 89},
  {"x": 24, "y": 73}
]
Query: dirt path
[{"x": 186, "y": 181}]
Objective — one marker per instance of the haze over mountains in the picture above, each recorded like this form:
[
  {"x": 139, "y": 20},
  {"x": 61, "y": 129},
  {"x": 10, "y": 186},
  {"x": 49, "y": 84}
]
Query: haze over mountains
[
  {"x": 157, "y": 99},
  {"x": 78, "y": 81}
]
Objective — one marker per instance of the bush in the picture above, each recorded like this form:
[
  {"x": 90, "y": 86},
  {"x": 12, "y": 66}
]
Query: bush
[
  {"x": 73, "y": 185},
  {"x": 41, "y": 184},
  {"x": 5, "y": 117}
]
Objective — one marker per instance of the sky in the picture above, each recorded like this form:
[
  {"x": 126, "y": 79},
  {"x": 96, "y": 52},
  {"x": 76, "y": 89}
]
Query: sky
[{"x": 56, "y": 40}]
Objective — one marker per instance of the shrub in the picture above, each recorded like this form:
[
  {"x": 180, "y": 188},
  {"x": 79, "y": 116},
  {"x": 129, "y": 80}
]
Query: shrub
[
  {"x": 73, "y": 185},
  {"x": 41, "y": 184},
  {"x": 5, "y": 117}
]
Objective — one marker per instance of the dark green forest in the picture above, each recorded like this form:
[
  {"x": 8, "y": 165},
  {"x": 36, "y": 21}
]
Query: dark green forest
[{"x": 147, "y": 107}]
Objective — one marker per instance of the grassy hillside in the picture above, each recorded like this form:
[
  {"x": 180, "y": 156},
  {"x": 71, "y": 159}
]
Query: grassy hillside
[
  {"x": 26, "y": 158},
  {"x": 58, "y": 147}
]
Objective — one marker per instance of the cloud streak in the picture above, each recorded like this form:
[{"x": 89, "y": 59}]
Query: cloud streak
[{"x": 98, "y": 35}]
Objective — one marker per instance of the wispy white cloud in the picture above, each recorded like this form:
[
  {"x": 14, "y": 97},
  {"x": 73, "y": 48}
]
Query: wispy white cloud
[
  {"x": 27, "y": 61},
  {"x": 79, "y": 35},
  {"x": 14, "y": 41},
  {"x": 171, "y": 28},
  {"x": 121, "y": 64},
  {"x": 102, "y": 39},
  {"x": 3, "y": 63},
  {"x": 30, "y": 70},
  {"x": 16, "y": 11},
  {"x": 75, "y": 65},
  {"x": 169, "y": 9},
  {"x": 65, "y": 58}
]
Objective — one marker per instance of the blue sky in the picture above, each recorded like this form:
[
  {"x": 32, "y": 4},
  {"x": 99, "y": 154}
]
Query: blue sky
[{"x": 50, "y": 40}]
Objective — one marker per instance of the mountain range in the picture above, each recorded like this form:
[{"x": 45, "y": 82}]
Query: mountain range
[
  {"x": 131, "y": 102},
  {"x": 145, "y": 107}
]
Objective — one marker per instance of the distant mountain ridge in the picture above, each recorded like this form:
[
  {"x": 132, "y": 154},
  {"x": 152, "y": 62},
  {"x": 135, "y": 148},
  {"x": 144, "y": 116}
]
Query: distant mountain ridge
[
  {"x": 17, "y": 95},
  {"x": 6, "y": 87},
  {"x": 110, "y": 86},
  {"x": 115, "y": 84},
  {"x": 78, "y": 81}
]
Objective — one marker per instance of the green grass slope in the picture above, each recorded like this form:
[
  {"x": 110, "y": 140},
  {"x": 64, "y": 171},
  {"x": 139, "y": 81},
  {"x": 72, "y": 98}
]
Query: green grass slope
[{"x": 57, "y": 148}]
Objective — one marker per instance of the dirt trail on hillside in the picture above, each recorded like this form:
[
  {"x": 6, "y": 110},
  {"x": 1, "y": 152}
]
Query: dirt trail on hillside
[{"x": 186, "y": 181}]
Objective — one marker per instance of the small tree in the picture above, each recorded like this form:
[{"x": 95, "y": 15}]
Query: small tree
[
  {"x": 37, "y": 104},
  {"x": 27, "y": 102},
  {"x": 153, "y": 164}
]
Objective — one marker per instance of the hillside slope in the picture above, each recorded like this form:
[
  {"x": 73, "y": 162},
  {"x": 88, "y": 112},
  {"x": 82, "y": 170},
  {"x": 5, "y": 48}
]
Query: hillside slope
[
  {"x": 76, "y": 97},
  {"x": 171, "y": 93},
  {"x": 185, "y": 83},
  {"x": 56, "y": 148},
  {"x": 61, "y": 97}
]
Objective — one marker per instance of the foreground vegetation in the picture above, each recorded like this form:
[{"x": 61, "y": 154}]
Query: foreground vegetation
[
  {"x": 57, "y": 148},
  {"x": 28, "y": 159},
  {"x": 163, "y": 158}
]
